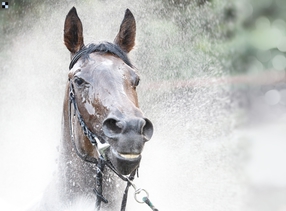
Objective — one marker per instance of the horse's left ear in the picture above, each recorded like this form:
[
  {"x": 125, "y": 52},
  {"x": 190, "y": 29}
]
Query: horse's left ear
[{"x": 125, "y": 38}]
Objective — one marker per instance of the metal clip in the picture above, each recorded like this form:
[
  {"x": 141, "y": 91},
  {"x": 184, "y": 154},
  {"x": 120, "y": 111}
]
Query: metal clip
[
  {"x": 101, "y": 148},
  {"x": 145, "y": 198},
  {"x": 137, "y": 192}
]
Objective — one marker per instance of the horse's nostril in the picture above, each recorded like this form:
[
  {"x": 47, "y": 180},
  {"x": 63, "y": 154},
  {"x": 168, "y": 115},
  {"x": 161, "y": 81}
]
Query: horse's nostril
[
  {"x": 111, "y": 127},
  {"x": 147, "y": 129}
]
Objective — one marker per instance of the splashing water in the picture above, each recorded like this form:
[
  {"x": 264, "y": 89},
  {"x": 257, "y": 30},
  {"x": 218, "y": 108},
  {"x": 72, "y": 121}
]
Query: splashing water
[{"x": 193, "y": 162}]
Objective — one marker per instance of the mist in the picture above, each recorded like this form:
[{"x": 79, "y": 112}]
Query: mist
[{"x": 211, "y": 146}]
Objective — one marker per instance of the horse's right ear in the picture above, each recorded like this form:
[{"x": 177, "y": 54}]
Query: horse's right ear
[{"x": 73, "y": 37}]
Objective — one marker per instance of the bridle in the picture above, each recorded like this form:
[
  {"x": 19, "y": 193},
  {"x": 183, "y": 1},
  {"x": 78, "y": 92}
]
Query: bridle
[
  {"x": 101, "y": 146},
  {"x": 101, "y": 162}
]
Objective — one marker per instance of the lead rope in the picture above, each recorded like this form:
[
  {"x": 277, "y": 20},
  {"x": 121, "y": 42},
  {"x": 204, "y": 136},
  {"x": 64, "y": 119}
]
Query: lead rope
[
  {"x": 137, "y": 191},
  {"x": 145, "y": 199},
  {"x": 124, "y": 199},
  {"x": 101, "y": 162}
]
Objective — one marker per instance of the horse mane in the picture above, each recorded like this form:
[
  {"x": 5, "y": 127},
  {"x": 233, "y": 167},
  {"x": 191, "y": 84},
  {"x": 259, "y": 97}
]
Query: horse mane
[{"x": 103, "y": 47}]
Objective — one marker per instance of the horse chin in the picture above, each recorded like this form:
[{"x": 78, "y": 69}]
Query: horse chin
[{"x": 124, "y": 163}]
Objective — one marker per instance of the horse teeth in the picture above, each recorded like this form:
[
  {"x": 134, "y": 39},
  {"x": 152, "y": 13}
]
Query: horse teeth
[{"x": 129, "y": 156}]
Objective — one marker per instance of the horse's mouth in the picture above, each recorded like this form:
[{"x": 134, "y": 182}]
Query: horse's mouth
[
  {"x": 129, "y": 156},
  {"x": 125, "y": 163}
]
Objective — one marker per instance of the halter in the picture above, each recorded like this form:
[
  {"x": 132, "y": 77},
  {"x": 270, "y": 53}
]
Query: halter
[{"x": 101, "y": 146}]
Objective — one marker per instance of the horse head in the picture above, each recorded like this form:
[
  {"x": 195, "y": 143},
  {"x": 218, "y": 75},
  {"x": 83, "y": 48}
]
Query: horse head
[{"x": 103, "y": 82}]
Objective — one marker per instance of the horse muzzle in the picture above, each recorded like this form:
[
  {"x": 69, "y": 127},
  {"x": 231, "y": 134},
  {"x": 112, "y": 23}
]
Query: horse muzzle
[
  {"x": 126, "y": 138},
  {"x": 124, "y": 163}
]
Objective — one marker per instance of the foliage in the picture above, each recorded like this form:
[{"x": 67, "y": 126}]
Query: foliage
[{"x": 259, "y": 41}]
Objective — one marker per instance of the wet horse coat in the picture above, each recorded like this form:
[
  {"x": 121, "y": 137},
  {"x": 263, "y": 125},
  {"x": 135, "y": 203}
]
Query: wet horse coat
[{"x": 103, "y": 82}]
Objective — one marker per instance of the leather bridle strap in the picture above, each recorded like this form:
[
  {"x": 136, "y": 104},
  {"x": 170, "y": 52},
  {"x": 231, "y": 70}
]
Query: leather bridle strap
[
  {"x": 76, "y": 57},
  {"x": 86, "y": 131},
  {"x": 100, "y": 162},
  {"x": 92, "y": 137}
]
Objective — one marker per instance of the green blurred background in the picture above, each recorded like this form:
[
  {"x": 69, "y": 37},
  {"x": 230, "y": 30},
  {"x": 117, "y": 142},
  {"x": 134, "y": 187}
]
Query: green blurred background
[{"x": 248, "y": 36}]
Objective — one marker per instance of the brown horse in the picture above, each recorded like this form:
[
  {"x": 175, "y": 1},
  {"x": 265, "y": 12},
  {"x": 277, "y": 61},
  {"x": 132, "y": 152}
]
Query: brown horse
[{"x": 100, "y": 109}]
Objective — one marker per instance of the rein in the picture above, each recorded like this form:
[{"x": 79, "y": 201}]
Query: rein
[{"x": 100, "y": 163}]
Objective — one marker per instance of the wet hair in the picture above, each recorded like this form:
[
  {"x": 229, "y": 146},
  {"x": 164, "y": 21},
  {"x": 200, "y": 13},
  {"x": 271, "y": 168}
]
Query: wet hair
[{"x": 103, "y": 47}]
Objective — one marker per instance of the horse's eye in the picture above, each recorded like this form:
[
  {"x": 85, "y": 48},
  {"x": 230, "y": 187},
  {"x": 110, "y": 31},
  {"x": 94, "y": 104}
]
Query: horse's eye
[{"x": 78, "y": 81}]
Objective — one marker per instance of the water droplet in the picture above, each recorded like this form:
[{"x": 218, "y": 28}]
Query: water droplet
[
  {"x": 279, "y": 62},
  {"x": 262, "y": 22},
  {"x": 282, "y": 44},
  {"x": 272, "y": 97}
]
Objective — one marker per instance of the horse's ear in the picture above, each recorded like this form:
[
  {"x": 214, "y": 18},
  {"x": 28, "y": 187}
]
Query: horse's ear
[
  {"x": 73, "y": 37},
  {"x": 125, "y": 38}
]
